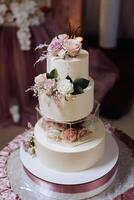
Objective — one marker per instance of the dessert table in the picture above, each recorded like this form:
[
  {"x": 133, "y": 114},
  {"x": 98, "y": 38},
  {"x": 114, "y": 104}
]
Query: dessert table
[{"x": 15, "y": 185}]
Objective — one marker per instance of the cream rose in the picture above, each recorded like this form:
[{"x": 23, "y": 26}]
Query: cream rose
[
  {"x": 65, "y": 87},
  {"x": 72, "y": 47},
  {"x": 53, "y": 133}
]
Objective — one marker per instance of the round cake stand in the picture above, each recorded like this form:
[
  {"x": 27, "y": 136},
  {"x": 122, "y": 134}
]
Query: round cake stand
[{"x": 74, "y": 185}]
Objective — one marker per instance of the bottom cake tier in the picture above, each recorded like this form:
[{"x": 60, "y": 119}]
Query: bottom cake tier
[
  {"x": 69, "y": 157},
  {"x": 74, "y": 185}
]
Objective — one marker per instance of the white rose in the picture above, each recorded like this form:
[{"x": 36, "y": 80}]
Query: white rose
[
  {"x": 24, "y": 39},
  {"x": 65, "y": 87},
  {"x": 39, "y": 80},
  {"x": 53, "y": 133}
]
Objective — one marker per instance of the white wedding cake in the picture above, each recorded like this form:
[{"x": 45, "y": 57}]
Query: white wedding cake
[
  {"x": 68, "y": 153},
  {"x": 67, "y": 137}
]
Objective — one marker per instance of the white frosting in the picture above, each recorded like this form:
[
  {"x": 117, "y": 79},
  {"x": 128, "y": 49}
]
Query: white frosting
[
  {"x": 72, "y": 110},
  {"x": 69, "y": 158},
  {"x": 76, "y": 67}
]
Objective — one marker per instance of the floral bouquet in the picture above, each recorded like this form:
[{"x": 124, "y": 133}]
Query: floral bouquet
[{"x": 22, "y": 14}]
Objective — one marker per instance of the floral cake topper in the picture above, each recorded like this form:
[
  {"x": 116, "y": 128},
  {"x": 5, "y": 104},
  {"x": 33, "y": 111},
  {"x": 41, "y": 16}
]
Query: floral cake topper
[{"x": 61, "y": 46}]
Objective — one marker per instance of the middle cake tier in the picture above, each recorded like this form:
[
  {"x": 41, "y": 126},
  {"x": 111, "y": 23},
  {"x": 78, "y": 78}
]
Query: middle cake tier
[{"x": 76, "y": 108}]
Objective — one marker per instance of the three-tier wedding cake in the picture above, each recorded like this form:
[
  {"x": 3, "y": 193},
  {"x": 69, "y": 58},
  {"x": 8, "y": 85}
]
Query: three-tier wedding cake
[
  {"x": 68, "y": 137},
  {"x": 63, "y": 139}
]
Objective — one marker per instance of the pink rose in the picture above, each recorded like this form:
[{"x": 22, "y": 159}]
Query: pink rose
[
  {"x": 56, "y": 46},
  {"x": 49, "y": 86},
  {"x": 39, "y": 80},
  {"x": 70, "y": 134},
  {"x": 82, "y": 132}
]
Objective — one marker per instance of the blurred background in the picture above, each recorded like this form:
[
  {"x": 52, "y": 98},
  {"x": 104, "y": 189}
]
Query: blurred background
[{"x": 107, "y": 28}]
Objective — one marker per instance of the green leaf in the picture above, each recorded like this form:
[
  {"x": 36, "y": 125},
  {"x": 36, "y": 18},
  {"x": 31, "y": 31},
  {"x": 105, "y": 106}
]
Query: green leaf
[
  {"x": 52, "y": 74},
  {"x": 77, "y": 89},
  {"x": 69, "y": 78},
  {"x": 48, "y": 75},
  {"x": 82, "y": 82}
]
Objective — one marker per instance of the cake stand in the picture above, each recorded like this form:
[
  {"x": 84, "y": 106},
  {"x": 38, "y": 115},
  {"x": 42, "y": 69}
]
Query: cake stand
[{"x": 74, "y": 185}]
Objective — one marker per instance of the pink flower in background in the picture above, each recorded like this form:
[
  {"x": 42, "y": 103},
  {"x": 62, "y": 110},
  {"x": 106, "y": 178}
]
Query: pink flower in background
[
  {"x": 39, "y": 80},
  {"x": 70, "y": 134},
  {"x": 56, "y": 46},
  {"x": 49, "y": 86}
]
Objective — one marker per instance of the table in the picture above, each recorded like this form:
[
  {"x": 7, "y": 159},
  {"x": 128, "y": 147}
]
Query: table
[{"x": 10, "y": 170}]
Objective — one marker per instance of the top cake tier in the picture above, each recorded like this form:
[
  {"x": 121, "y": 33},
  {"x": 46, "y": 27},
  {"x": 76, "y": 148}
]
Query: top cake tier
[{"x": 75, "y": 67}]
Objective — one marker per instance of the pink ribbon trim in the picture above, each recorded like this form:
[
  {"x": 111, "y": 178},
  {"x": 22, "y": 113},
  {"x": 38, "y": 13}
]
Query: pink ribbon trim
[{"x": 85, "y": 187}]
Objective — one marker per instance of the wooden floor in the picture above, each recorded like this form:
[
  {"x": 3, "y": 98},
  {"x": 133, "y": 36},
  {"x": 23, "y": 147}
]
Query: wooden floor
[{"x": 126, "y": 123}]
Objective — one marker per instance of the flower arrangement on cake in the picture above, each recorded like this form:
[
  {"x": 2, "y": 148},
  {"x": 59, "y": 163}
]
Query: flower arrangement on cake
[
  {"x": 23, "y": 14},
  {"x": 56, "y": 88},
  {"x": 29, "y": 142},
  {"x": 73, "y": 133},
  {"x": 61, "y": 46},
  {"x": 69, "y": 133},
  {"x": 51, "y": 83}
]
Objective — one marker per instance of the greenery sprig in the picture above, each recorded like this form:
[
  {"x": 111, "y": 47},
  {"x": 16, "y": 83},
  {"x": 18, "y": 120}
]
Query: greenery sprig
[
  {"x": 79, "y": 84},
  {"x": 53, "y": 74}
]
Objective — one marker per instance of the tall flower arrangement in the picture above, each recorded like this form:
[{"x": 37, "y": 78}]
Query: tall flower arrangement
[{"x": 23, "y": 14}]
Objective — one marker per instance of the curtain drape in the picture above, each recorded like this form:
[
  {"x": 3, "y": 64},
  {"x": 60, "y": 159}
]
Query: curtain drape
[
  {"x": 91, "y": 15},
  {"x": 17, "y": 69}
]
